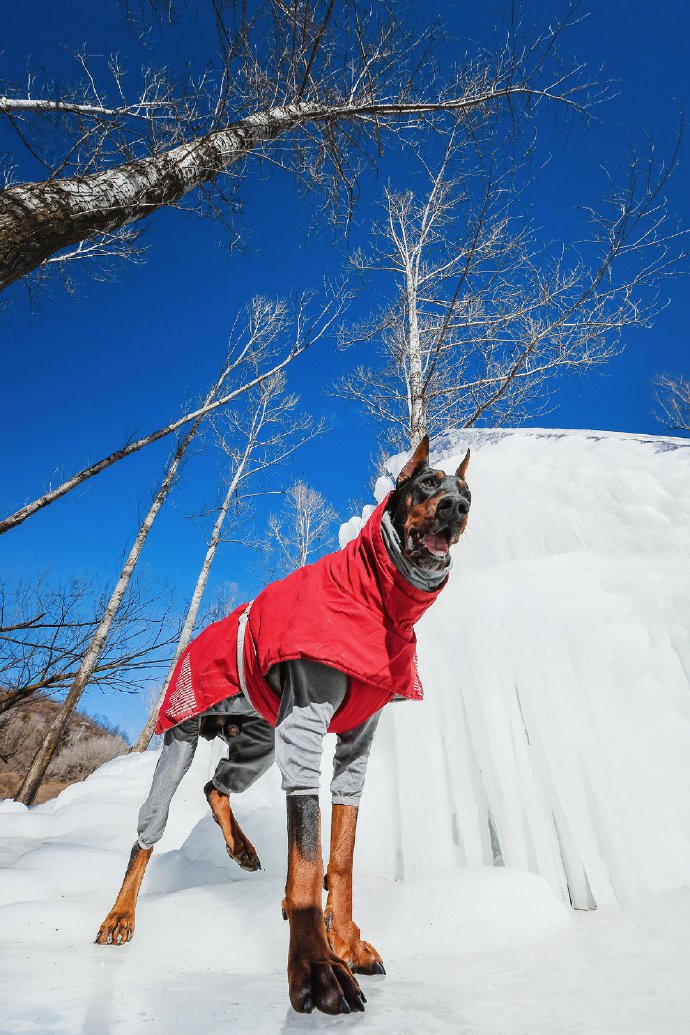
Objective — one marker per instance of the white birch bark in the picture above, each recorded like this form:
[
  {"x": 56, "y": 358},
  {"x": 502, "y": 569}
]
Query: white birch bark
[
  {"x": 39, "y": 219},
  {"x": 211, "y": 404},
  {"x": 38, "y": 767},
  {"x": 415, "y": 374}
]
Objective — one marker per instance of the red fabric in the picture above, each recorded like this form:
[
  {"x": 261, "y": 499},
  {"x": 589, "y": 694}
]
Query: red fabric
[
  {"x": 205, "y": 674},
  {"x": 352, "y": 610}
]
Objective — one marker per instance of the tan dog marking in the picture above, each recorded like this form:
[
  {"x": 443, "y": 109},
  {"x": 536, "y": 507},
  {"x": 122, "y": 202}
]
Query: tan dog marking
[
  {"x": 118, "y": 926},
  {"x": 343, "y": 933},
  {"x": 237, "y": 843},
  {"x": 317, "y": 977}
]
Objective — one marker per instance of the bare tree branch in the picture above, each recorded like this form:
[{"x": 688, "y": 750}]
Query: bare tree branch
[
  {"x": 303, "y": 531},
  {"x": 253, "y": 357},
  {"x": 35, "y": 104},
  {"x": 673, "y": 400},
  {"x": 310, "y": 86},
  {"x": 484, "y": 315},
  {"x": 40, "y": 652}
]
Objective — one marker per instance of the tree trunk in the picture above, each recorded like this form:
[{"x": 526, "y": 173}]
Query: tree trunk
[
  {"x": 146, "y": 734},
  {"x": 417, "y": 402},
  {"x": 38, "y": 767},
  {"x": 211, "y": 403},
  {"x": 39, "y": 219}
]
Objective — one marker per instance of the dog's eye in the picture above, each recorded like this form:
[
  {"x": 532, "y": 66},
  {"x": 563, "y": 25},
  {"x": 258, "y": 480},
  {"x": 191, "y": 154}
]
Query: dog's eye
[{"x": 429, "y": 481}]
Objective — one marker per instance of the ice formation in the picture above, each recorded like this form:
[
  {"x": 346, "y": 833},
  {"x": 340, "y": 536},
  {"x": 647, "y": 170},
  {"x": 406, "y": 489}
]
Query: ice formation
[{"x": 555, "y": 733}]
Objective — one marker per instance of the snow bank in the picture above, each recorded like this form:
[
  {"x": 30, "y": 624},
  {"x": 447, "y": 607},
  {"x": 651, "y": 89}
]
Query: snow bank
[{"x": 210, "y": 947}]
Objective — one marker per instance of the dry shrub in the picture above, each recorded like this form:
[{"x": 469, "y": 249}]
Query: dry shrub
[
  {"x": 88, "y": 743},
  {"x": 77, "y": 761}
]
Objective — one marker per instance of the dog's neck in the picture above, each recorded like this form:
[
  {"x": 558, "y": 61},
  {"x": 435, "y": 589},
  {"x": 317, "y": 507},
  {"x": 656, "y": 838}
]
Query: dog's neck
[{"x": 426, "y": 580}]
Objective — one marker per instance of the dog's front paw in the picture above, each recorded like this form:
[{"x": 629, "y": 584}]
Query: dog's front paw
[
  {"x": 323, "y": 982},
  {"x": 346, "y": 943},
  {"x": 116, "y": 929},
  {"x": 318, "y": 979}
]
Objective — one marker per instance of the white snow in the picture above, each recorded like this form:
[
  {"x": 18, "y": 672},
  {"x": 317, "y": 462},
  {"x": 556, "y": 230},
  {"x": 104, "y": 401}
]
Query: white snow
[{"x": 554, "y": 741}]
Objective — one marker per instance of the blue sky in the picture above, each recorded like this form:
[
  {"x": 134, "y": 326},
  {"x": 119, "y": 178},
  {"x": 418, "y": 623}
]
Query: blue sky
[{"x": 78, "y": 375}]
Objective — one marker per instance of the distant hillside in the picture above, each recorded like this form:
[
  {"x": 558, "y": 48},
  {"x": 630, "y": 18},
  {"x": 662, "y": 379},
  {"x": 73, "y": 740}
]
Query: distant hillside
[{"x": 87, "y": 744}]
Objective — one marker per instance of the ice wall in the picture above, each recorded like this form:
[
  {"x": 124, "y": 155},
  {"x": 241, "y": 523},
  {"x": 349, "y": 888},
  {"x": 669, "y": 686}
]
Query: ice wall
[{"x": 555, "y": 733}]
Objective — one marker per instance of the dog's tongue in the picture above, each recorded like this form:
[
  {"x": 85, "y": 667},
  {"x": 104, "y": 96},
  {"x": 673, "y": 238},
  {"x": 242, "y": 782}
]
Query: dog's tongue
[{"x": 436, "y": 544}]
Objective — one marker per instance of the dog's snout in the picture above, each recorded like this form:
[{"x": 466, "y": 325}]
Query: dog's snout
[{"x": 452, "y": 508}]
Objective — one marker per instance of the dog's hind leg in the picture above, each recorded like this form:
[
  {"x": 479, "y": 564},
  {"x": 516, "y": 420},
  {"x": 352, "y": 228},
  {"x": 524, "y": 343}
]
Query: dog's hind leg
[
  {"x": 118, "y": 926},
  {"x": 238, "y": 844},
  {"x": 251, "y": 750}
]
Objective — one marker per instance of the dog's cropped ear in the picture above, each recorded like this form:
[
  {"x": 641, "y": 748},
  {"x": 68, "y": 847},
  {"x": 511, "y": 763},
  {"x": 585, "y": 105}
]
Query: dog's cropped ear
[
  {"x": 462, "y": 469},
  {"x": 418, "y": 460}
]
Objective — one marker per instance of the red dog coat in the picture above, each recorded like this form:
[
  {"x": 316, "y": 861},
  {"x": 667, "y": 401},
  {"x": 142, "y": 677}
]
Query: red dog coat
[{"x": 352, "y": 610}]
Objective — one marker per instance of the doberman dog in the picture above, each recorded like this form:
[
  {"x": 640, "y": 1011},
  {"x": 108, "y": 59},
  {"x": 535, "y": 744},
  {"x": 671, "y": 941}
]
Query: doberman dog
[{"x": 428, "y": 511}]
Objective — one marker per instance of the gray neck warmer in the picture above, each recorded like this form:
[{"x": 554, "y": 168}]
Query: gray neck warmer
[{"x": 417, "y": 577}]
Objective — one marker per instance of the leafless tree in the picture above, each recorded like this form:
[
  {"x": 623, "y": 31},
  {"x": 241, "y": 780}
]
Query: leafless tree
[
  {"x": 673, "y": 400},
  {"x": 46, "y": 626},
  {"x": 304, "y": 530},
  {"x": 92, "y": 654},
  {"x": 483, "y": 314},
  {"x": 264, "y": 347},
  {"x": 223, "y": 601},
  {"x": 266, "y": 337},
  {"x": 261, "y": 436},
  {"x": 313, "y": 86}
]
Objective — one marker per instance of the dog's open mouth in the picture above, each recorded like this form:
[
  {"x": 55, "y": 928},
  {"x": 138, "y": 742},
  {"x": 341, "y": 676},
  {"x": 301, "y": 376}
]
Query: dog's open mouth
[{"x": 436, "y": 543}]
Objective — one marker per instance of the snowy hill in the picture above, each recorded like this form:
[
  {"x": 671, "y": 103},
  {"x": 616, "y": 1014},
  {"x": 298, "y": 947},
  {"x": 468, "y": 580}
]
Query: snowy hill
[{"x": 555, "y": 735}]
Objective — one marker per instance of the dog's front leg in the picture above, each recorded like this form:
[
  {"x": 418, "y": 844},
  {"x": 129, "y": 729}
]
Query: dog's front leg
[
  {"x": 343, "y": 933},
  {"x": 118, "y": 926},
  {"x": 316, "y": 975}
]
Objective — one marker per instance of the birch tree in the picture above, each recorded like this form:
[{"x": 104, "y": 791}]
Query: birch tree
[
  {"x": 37, "y": 769},
  {"x": 262, "y": 436},
  {"x": 673, "y": 401},
  {"x": 315, "y": 87},
  {"x": 304, "y": 530},
  {"x": 252, "y": 359},
  {"x": 268, "y": 325},
  {"x": 483, "y": 314}
]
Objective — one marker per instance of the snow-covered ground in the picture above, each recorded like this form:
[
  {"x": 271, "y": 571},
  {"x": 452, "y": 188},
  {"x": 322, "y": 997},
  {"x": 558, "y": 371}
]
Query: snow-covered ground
[{"x": 556, "y": 743}]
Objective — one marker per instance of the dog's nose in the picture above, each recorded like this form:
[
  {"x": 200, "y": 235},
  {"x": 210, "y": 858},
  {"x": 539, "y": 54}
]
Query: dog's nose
[{"x": 452, "y": 508}]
